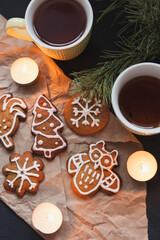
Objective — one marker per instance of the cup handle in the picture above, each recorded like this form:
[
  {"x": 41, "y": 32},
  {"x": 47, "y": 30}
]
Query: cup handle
[{"x": 15, "y": 27}]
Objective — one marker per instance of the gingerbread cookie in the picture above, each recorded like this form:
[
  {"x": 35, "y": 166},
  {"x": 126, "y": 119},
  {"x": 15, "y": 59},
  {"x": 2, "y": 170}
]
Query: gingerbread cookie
[
  {"x": 47, "y": 128},
  {"x": 85, "y": 116},
  {"x": 93, "y": 170},
  {"x": 23, "y": 173},
  {"x": 11, "y": 110}
]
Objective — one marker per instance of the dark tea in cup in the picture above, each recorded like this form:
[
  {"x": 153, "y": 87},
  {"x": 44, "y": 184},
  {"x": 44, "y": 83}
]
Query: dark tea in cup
[
  {"x": 59, "y": 22},
  {"x": 139, "y": 101},
  {"x": 136, "y": 98},
  {"x": 61, "y": 29}
]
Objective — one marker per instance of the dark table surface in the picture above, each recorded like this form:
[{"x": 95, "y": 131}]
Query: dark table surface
[{"x": 103, "y": 37}]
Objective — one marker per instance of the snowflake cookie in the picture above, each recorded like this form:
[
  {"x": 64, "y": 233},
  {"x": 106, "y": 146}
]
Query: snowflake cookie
[
  {"x": 47, "y": 127},
  {"x": 23, "y": 173},
  {"x": 85, "y": 116},
  {"x": 93, "y": 170},
  {"x": 11, "y": 110}
]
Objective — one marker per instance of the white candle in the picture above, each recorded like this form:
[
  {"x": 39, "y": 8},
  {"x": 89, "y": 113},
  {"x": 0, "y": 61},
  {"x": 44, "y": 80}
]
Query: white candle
[
  {"x": 142, "y": 166},
  {"x": 24, "y": 71},
  {"x": 47, "y": 218}
]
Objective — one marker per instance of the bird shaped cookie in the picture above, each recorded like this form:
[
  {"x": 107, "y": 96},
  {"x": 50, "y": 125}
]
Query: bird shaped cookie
[{"x": 93, "y": 170}]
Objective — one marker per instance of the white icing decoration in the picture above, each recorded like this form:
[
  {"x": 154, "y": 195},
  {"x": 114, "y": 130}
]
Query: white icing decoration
[
  {"x": 5, "y": 127},
  {"x": 23, "y": 173},
  {"x": 40, "y": 142},
  {"x": 51, "y": 124},
  {"x": 97, "y": 177},
  {"x": 44, "y": 128},
  {"x": 77, "y": 161},
  {"x": 39, "y": 115},
  {"x": 80, "y": 183},
  {"x": 86, "y": 167},
  {"x": 86, "y": 179},
  {"x": 4, "y": 121},
  {"x": 92, "y": 180},
  {"x": 101, "y": 154},
  {"x": 0, "y": 131},
  {"x": 96, "y": 165},
  {"x": 82, "y": 175},
  {"x": 101, "y": 181},
  {"x": 96, "y": 155},
  {"x": 56, "y": 143},
  {"x": 90, "y": 171},
  {"x": 105, "y": 184},
  {"x": 50, "y": 109},
  {"x": 106, "y": 161},
  {"x": 44, "y": 104},
  {"x": 86, "y": 112},
  {"x": 17, "y": 102}
]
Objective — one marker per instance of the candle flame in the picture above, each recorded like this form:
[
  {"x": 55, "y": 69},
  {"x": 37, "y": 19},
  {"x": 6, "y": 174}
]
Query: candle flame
[
  {"x": 24, "y": 68},
  {"x": 144, "y": 168},
  {"x": 50, "y": 217}
]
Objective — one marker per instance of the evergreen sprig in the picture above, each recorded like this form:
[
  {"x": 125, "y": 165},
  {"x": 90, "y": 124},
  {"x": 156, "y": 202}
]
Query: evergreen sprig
[{"x": 138, "y": 41}]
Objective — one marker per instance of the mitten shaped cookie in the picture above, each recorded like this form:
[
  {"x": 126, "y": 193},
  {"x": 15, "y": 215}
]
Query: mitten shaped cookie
[
  {"x": 93, "y": 170},
  {"x": 23, "y": 173},
  {"x": 47, "y": 127},
  {"x": 11, "y": 110}
]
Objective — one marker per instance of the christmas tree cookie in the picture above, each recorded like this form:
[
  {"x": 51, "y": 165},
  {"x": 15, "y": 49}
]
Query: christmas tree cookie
[
  {"x": 93, "y": 170},
  {"x": 85, "y": 116},
  {"x": 47, "y": 128}
]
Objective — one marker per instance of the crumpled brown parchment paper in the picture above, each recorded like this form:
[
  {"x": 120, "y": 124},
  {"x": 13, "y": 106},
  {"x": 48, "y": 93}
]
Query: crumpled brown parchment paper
[{"x": 121, "y": 216}]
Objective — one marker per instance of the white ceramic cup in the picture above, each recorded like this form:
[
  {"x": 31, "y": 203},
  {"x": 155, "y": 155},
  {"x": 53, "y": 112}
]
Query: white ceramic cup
[
  {"x": 23, "y": 28},
  {"x": 141, "y": 69}
]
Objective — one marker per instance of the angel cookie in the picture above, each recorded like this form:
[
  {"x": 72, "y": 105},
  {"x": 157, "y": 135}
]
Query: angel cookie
[
  {"x": 93, "y": 170},
  {"x": 23, "y": 173},
  {"x": 11, "y": 110},
  {"x": 47, "y": 127}
]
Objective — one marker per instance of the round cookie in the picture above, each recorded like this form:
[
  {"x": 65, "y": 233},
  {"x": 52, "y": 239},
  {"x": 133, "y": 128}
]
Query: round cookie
[
  {"x": 85, "y": 116},
  {"x": 23, "y": 173},
  {"x": 93, "y": 170}
]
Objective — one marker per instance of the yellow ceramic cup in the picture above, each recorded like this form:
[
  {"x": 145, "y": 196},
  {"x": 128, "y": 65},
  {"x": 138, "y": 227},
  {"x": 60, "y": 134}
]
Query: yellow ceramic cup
[{"x": 23, "y": 28}]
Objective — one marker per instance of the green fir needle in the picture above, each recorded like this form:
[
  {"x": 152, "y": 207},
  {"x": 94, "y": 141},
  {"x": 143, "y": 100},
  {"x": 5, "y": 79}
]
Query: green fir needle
[{"x": 141, "y": 21}]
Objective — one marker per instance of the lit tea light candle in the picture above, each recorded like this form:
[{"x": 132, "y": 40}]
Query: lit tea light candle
[
  {"x": 142, "y": 166},
  {"x": 47, "y": 218},
  {"x": 24, "y": 71}
]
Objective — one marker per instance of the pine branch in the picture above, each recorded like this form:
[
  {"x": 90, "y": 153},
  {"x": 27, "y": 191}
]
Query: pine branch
[{"x": 142, "y": 24}]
